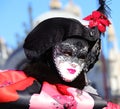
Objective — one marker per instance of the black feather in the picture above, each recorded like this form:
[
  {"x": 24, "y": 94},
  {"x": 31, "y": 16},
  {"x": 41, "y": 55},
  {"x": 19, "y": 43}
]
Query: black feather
[{"x": 104, "y": 8}]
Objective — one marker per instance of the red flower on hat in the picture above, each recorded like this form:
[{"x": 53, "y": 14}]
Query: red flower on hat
[{"x": 98, "y": 19}]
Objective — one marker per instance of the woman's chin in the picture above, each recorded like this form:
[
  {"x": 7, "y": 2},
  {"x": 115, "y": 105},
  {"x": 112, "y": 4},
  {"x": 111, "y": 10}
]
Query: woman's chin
[{"x": 68, "y": 80}]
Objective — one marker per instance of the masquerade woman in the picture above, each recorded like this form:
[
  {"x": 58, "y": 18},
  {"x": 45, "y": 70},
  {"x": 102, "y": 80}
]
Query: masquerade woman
[{"x": 60, "y": 52}]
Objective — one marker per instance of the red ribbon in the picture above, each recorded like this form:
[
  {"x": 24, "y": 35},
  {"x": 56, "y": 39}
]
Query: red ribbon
[{"x": 98, "y": 19}]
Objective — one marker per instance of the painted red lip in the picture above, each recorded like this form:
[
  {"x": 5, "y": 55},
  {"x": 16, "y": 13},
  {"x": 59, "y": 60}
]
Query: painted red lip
[{"x": 72, "y": 71}]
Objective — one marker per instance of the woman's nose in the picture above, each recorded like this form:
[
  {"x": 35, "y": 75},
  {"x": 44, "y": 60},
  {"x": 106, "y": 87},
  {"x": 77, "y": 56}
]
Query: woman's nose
[{"x": 73, "y": 65}]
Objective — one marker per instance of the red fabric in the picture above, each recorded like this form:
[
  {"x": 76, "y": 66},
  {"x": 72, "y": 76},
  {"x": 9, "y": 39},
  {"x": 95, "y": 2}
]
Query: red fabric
[
  {"x": 11, "y": 76},
  {"x": 98, "y": 19},
  {"x": 10, "y": 82},
  {"x": 112, "y": 106},
  {"x": 63, "y": 89}
]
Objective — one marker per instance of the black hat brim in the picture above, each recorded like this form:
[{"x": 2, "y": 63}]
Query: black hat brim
[{"x": 51, "y": 31}]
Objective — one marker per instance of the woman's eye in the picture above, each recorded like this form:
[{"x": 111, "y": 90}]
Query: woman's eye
[
  {"x": 81, "y": 56},
  {"x": 67, "y": 53}
]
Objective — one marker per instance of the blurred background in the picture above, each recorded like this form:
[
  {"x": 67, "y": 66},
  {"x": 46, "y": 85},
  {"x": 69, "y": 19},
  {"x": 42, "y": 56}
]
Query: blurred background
[{"x": 19, "y": 17}]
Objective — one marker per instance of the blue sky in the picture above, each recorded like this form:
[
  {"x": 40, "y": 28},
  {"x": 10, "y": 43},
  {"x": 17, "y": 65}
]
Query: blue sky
[{"x": 13, "y": 13}]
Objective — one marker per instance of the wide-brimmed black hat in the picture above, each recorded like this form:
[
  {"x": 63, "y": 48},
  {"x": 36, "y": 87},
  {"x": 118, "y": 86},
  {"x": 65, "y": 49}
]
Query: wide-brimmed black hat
[{"x": 51, "y": 31}]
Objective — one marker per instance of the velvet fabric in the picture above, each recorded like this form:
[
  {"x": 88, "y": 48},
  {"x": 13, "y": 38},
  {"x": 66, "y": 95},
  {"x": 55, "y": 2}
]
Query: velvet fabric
[{"x": 51, "y": 31}]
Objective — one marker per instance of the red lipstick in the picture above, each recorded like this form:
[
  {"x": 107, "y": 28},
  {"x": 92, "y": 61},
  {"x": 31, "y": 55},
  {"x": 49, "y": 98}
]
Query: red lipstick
[{"x": 71, "y": 71}]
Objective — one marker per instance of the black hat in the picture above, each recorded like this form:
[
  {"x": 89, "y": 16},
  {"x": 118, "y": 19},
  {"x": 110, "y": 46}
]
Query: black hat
[{"x": 53, "y": 30}]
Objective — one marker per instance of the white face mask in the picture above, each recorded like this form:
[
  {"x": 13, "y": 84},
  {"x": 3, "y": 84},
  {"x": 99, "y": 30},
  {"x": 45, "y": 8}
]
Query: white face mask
[
  {"x": 69, "y": 59},
  {"x": 68, "y": 70}
]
